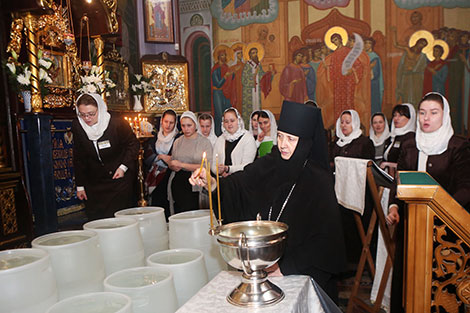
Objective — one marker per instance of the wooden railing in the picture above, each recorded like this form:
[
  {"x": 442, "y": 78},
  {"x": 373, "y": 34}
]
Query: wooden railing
[{"x": 437, "y": 237}]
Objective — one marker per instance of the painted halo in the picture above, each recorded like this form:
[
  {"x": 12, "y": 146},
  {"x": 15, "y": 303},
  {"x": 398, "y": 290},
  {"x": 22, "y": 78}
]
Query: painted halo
[
  {"x": 422, "y": 34},
  {"x": 219, "y": 48},
  {"x": 251, "y": 45},
  {"x": 335, "y": 29},
  {"x": 441, "y": 43}
]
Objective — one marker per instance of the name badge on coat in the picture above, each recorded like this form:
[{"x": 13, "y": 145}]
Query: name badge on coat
[
  {"x": 104, "y": 144},
  {"x": 396, "y": 145}
]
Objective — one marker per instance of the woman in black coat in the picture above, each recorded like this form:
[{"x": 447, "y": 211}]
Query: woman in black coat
[{"x": 105, "y": 154}]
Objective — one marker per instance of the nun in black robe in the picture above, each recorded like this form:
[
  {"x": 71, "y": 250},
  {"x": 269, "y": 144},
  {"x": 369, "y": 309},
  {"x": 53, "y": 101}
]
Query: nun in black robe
[{"x": 299, "y": 192}]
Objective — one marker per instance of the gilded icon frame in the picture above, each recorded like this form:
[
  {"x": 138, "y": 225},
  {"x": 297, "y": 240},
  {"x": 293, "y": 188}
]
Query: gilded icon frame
[
  {"x": 118, "y": 98},
  {"x": 171, "y": 87}
]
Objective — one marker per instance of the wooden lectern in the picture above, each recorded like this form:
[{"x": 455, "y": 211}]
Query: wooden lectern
[{"x": 437, "y": 237}]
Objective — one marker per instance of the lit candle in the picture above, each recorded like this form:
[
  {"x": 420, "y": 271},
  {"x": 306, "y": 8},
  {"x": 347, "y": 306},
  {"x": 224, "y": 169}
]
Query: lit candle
[
  {"x": 208, "y": 175},
  {"x": 202, "y": 164},
  {"x": 218, "y": 190}
]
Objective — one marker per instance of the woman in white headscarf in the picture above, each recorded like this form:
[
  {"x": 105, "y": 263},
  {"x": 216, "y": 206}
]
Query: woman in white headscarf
[
  {"x": 236, "y": 147},
  {"x": 403, "y": 130},
  {"x": 253, "y": 127},
  {"x": 186, "y": 157},
  {"x": 207, "y": 127},
  {"x": 351, "y": 142},
  {"x": 436, "y": 150},
  {"x": 267, "y": 132},
  {"x": 158, "y": 156},
  {"x": 379, "y": 133},
  {"x": 105, "y": 153}
]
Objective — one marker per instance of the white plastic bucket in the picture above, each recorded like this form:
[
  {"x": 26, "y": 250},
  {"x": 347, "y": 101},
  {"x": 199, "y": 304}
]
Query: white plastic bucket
[
  {"x": 76, "y": 260},
  {"x": 188, "y": 268},
  {"x": 27, "y": 283},
  {"x": 191, "y": 230},
  {"x": 96, "y": 302},
  {"x": 152, "y": 227},
  {"x": 151, "y": 289},
  {"x": 120, "y": 241}
]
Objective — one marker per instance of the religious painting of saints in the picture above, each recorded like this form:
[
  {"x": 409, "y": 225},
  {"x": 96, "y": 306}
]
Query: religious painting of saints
[
  {"x": 60, "y": 90},
  {"x": 158, "y": 20},
  {"x": 170, "y": 86},
  {"x": 60, "y": 69},
  {"x": 118, "y": 98}
]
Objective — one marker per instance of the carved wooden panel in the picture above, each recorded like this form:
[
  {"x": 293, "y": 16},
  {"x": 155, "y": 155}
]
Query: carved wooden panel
[
  {"x": 15, "y": 213},
  {"x": 8, "y": 211},
  {"x": 451, "y": 271}
]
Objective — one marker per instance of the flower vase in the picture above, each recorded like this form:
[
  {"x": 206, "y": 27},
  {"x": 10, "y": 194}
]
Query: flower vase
[
  {"x": 26, "y": 100},
  {"x": 137, "y": 104}
]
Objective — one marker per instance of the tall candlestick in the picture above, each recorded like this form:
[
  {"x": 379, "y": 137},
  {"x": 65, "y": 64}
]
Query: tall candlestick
[
  {"x": 208, "y": 176},
  {"x": 218, "y": 189}
]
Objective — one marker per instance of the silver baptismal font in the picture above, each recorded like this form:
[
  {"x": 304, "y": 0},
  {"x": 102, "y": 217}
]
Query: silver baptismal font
[{"x": 252, "y": 246}]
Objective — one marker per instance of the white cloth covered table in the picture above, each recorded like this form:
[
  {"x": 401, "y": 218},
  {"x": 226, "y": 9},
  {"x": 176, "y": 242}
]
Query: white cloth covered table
[{"x": 300, "y": 296}]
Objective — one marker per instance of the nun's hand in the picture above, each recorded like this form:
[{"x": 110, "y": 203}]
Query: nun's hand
[
  {"x": 260, "y": 136},
  {"x": 118, "y": 174},
  {"x": 165, "y": 157},
  {"x": 198, "y": 178}
]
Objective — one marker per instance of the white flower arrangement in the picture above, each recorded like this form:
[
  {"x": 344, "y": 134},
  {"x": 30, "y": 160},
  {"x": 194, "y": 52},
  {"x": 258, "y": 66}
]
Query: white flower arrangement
[
  {"x": 93, "y": 82},
  {"x": 20, "y": 75},
  {"x": 140, "y": 85}
]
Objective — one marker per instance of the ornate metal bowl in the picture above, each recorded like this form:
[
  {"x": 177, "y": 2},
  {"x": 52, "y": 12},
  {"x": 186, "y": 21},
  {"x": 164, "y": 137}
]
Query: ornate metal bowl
[{"x": 253, "y": 246}]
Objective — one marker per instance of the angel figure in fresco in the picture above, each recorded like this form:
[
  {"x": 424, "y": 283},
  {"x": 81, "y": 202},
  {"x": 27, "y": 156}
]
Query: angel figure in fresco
[
  {"x": 337, "y": 90},
  {"x": 410, "y": 72},
  {"x": 435, "y": 73},
  {"x": 237, "y": 68},
  {"x": 376, "y": 79},
  {"x": 292, "y": 83},
  {"x": 254, "y": 80},
  {"x": 221, "y": 77}
]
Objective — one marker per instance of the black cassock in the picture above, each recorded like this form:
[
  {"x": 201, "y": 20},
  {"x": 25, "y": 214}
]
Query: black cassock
[
  {"x": 315, "y": 237},
  {"x": 105, "y": 195}
]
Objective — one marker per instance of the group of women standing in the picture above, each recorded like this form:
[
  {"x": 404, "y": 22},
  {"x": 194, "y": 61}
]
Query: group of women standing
[{"x": 232, "y": 151}]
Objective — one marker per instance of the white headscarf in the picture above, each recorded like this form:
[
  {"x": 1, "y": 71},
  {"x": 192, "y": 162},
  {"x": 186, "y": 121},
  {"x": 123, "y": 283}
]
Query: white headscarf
[
  {"x": 250, "y": 127},
  {"x": 192, "y": 116},
  {"x": 95, "y": 131},
  {"x": 241, "y": 127},
  {"x": 212, "y": 137},
  {"x": 164, "y": 143},
  {"x": 437, "y": 141},
  {"x": 386, "y": 134},
  {"x": 410, "y": 125},
  {"x": 273, "y": 134},
  {"x": 356, "y": 129}
]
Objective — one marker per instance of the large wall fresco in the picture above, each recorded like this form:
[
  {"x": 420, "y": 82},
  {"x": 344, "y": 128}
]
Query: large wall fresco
[{"x": 341, "y": 62}]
